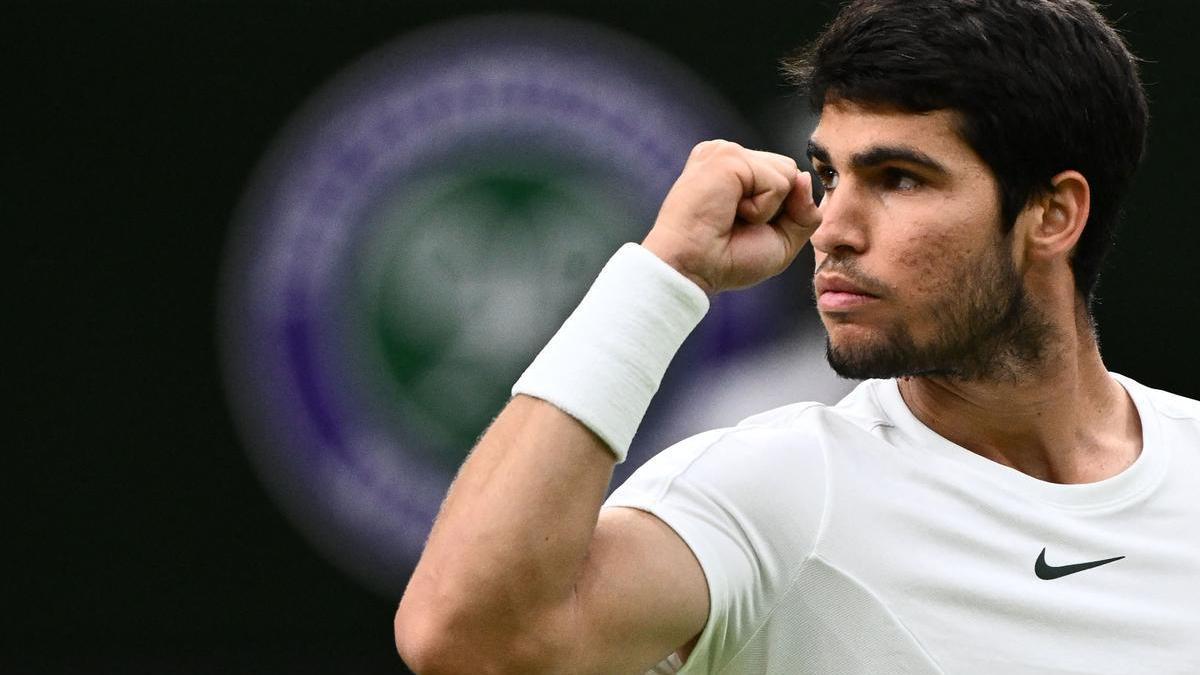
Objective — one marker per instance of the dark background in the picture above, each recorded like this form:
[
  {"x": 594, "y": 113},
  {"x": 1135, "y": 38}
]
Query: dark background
[{"x": 142, "y": 540}]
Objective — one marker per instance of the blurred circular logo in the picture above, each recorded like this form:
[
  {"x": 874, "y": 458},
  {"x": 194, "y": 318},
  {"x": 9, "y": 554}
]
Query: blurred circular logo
[{"x": 410, "y": 242}]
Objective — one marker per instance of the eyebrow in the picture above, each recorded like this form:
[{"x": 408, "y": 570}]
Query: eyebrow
[{"x": 880, "y": 154}]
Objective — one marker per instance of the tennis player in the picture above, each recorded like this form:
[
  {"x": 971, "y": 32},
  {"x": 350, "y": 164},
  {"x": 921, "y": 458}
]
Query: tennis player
[{"x": 989, "y": 500}]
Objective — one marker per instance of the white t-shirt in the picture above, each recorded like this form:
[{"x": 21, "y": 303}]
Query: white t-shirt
[{"x": 853, "y": 539}]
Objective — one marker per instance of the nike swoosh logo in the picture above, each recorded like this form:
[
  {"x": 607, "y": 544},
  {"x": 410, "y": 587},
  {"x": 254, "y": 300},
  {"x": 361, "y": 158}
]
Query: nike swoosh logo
[{"x": 1048, "y": 572}]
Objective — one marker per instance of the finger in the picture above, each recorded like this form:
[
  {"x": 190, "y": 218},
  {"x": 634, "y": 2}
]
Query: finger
[
  {"x": 787, "y": 169},
  {"x": 768, "y": 189},
  {"x": 786, "y": 165},
  {"x": 800, "y": 216},
  {"x": 801, "y": 204}
]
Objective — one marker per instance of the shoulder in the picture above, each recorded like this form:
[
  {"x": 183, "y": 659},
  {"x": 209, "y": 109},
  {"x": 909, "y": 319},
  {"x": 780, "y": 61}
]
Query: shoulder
[
  {"x": 733, "y": 463},
  {"x": 739, "y": 485},
  {"x": 860, "y": 408},
  {"x": 773, "y": 463},
  {"x": 1172, "y": 419},
  {"x": 787, "y": 439},
  {"x": 1164, "y": 403}
]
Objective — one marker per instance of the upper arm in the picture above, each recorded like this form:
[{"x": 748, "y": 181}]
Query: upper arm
[
  {"x": 642, "y": 594},
  {"x": 744, "y": 510}
]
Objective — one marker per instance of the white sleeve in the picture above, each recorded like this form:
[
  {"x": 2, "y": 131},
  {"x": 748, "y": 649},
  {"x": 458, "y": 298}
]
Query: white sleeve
[{"x": 749, "y": 502}]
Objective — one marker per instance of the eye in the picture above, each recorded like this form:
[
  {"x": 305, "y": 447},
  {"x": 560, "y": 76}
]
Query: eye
[
  {"x": 828, "y": 177},
  {"x": 897, "y": 179}
]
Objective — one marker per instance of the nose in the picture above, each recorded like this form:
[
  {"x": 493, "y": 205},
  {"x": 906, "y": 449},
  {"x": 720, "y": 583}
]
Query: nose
[{"x": 844, "y": 220}]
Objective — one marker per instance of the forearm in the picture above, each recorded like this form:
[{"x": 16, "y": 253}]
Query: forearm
[
  {"x": 501, "y": 565},
  {"x": 496, "y": 587},
  {"x": 502, "y": 560}
]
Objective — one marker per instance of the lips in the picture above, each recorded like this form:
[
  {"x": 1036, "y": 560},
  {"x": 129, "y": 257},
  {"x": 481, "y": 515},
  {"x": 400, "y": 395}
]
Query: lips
[{"x": 835, "y": 292}]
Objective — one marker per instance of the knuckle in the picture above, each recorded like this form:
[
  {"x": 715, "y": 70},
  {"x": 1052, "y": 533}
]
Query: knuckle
[
  {"x": 713, "y": 148},
  {"x": 786, "y": 167},
  {"x": 702, "y": 149},
  {"x": 730, "y": 162}
]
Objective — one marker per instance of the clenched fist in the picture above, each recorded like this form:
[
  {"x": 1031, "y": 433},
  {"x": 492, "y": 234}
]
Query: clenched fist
[{"x": 734, "y": 217}]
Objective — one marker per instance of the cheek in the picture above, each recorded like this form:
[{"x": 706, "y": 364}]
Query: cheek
[
  {"x": 925, "y": 263},
  {"x": 935, "y": 270}
]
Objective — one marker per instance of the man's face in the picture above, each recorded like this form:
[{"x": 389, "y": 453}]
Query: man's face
[{"x": 914, "y": 275}]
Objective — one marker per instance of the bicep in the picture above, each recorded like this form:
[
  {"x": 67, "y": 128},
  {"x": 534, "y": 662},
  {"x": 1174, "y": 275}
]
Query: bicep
[{"x": 642, "y": 594}]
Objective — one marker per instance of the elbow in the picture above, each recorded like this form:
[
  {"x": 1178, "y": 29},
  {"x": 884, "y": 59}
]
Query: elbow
[
  {"x": 426, "y": 644},
  {"x": 416, "y": 642},
  {"x": 431, "y": 643}
]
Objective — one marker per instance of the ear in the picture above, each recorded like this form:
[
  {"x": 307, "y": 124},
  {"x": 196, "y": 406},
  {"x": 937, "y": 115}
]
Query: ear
[{"x": 1057, "y": 217}]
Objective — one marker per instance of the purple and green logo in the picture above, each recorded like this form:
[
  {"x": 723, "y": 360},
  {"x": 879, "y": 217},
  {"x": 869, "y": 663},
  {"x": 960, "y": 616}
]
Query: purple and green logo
[{"x": 414, "y": 237}]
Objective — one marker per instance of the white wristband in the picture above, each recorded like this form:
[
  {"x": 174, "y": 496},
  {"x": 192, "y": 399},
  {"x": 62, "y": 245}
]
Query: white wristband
[{"x": 606, "y": 362}]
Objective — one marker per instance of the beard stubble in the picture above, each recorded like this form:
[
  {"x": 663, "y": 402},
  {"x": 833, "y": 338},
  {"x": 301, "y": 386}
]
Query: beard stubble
[{"x": 988, "y": 329}]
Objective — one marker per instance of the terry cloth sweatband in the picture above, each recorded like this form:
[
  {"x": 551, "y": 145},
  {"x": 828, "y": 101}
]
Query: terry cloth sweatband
[{"x": 606, "y": 362}]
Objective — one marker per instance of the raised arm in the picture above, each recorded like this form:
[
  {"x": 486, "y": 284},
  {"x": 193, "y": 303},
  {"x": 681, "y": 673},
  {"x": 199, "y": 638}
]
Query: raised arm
[{"x": 522, "y": 573}]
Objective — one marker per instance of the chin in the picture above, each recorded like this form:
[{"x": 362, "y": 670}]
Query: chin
[
  {"x": 851, "y": 336},
  {"x": 860, "y": 353}
]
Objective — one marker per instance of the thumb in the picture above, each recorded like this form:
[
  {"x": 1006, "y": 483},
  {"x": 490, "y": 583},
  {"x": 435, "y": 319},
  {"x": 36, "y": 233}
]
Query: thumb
[{"x": 799, "y": 217}]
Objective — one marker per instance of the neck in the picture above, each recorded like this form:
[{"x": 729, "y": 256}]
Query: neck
[{"x": 1065, "y": 420}]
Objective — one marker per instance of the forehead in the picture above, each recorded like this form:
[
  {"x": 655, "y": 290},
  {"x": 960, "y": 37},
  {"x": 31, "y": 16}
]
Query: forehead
[{"x": 847, "y": 128}]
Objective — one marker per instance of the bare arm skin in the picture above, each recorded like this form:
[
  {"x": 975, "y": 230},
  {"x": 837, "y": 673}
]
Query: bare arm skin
[{"x": 522, "y": 573}]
